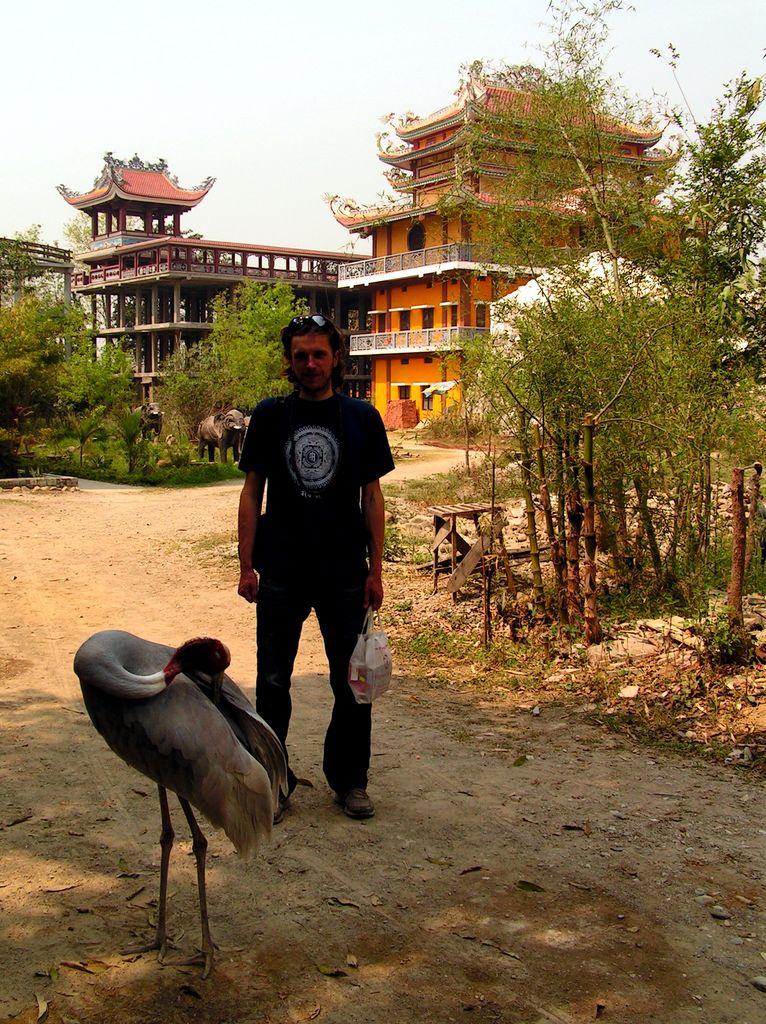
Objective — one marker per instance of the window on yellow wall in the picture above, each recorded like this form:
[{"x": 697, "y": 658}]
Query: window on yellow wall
[
  {"x": 416, "y": 237},
  {"x": 404, "y": 320},
  {"x": 453, "y": 316},
  {"x": 404, "y": 391},
  {"x": 481, "y": 316}
]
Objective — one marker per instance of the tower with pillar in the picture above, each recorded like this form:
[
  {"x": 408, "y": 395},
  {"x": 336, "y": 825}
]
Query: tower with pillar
[
  {"x": 151, "y": 286},
  {"x": 430, "y": 280}
]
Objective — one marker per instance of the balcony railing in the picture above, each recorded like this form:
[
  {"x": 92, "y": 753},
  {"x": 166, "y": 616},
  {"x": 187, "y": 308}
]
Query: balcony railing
[
  {"x": 455, "y": 252},
  {"x": 317, "y": 271},
  {"x": 434, "y": 338}
]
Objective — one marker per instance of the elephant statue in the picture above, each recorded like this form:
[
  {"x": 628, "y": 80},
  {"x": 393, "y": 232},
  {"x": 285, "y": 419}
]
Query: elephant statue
[
  {"x": 221, "y": 430},
  {"x": 151, "y": 419}
]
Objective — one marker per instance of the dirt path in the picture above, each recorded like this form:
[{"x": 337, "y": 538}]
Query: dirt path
[{"x": 427, "y": 908}]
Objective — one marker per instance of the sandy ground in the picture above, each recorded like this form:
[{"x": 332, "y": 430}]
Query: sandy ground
[{"x": 520, "y": 868}]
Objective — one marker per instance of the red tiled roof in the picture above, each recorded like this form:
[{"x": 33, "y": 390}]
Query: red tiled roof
[
  {"x": 139, "y": 181},
  {"x": 496, "y": 99},
  {"x": 357, "y": 220},
  {"x": 156, "y": 185}
]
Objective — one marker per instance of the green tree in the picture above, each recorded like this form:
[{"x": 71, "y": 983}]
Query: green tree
[
  {"x": 239, "y": 363},
  {"x": 17, "y": 269},
  {"x": 647, "y": 335},
  {"x": 128, "y": 428},
  {"x": 86, "y": 428},
  {"x": 77, "y": 233},
  {"x": 20, "y": 273},
  {"x": 33, "y": 338},
  {"x": 88, "y": 379},
  {"x": 245, "y": 340},
  {"x": 718, "y": 212}
]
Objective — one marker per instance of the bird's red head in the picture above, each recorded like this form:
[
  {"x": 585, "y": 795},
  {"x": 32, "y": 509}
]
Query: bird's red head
[{"x": 203, "y": 654}]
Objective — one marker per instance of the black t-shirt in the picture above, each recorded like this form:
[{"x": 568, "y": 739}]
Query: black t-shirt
[{"x": 315, "y": 457}]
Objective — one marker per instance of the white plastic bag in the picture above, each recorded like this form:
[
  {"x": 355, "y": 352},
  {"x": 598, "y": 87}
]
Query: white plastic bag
[{"x": 369, "y": 671}]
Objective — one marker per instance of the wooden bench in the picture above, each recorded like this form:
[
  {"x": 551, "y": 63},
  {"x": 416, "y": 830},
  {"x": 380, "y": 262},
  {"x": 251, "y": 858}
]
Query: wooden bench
[{"x": 466, "y": 557}]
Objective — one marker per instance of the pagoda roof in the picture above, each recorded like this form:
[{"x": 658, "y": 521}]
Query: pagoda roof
[
  {"x": 134, "y": 179},
  {"x": 360, "y": 219},
  {"x": 479, "y": 97},
  {"x": 406, "y": 156}
]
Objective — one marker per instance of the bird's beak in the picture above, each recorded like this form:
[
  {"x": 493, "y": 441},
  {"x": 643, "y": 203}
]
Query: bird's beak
[{"x": 217, "y": 681}]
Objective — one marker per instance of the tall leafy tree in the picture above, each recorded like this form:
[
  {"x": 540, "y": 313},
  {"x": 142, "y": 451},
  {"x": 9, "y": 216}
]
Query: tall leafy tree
[
  {"x": 33, "y": 337},
  {"x": 239, "y": 363},
  {"x": 718, "y": 215},
  {"x": 88, "y": 379},
  {"x": 651, "y": 336},
  {"x": 17, "y": 269},
  {"x": 245, "y": 340}
]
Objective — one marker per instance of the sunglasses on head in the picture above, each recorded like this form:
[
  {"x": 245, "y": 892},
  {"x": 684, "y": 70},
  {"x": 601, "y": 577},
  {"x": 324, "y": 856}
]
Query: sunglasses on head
[{"x": 303, "y": 323}]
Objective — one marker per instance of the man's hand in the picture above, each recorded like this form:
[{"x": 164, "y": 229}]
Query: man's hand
[
  {"x": 248, "y": 585},
  {"x": 373, "y": 591}
]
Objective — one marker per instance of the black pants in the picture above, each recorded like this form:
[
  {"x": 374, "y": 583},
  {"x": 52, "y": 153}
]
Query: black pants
[{"x": 282, "y": 609}]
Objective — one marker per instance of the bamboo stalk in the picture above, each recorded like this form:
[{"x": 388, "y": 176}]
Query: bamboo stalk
[
  {"x": 624, "y": 555},
  {"x": 753, "y": 517},
  {"x": 593, "y": 631},
  {"x": 558, "y": 556},
  {"x": 574, "y": 511},
  {"x": 648, "y": 527},
  {"x": 736, "y": 580},
  {"x": 534, "y": 548}
]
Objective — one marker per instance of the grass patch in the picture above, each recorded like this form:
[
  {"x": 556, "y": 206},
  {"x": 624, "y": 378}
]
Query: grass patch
[
  {"x": 193, "y": 475},
  {"x": 435, "y": 648},
  {"x": 455, "y": 486},
  {"x": 212, "y": 543}
]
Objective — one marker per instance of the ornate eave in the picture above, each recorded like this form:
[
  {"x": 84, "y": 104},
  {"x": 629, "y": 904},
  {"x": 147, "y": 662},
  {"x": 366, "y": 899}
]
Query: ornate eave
[
  {"x": 478, "y": 99},
  {"x": 401, "y": 158},
  {"x": 447, "y": 117},
  {"x": 402, "y": 184},
  {"x": 349, "y": 214},
  {"x": 135, "y": 179},
  {"x": 362, "y": 219}
]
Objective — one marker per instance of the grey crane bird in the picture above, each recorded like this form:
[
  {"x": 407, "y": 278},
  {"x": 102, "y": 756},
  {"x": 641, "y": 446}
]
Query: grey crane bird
[{"x": 176, "y": 717}]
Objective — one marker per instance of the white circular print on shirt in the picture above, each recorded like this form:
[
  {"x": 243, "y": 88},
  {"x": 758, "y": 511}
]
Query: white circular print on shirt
[{"x": 315, "y": 451}]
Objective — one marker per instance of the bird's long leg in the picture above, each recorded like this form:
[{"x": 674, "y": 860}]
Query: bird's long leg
[
  {"x": 166, "y": 845},
  {"x": 199, "y": 847}
]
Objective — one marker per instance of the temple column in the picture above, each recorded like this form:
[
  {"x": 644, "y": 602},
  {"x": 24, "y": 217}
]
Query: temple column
[{"x": 177, "y": 302}]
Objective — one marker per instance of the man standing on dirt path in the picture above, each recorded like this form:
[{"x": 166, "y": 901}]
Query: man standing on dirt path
[{"x": 319, "y": 544}]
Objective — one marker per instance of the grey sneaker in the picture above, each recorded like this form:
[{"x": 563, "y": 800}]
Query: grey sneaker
[{"x": 357, "y": 804}]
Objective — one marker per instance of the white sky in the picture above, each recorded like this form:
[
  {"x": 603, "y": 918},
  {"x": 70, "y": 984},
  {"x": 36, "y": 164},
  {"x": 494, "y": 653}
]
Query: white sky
[{"x": 280, "y": 102}]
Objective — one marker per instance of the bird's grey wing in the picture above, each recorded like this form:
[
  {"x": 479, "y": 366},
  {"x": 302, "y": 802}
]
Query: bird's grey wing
[
  {"x": 257, "y": 735},
  {"x": 254, "y": 732},
  {"x": 183, "y": 742}
]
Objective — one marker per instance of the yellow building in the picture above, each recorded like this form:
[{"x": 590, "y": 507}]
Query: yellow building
[{"x": 429, "y": 283}]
